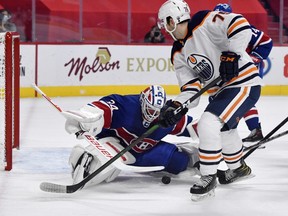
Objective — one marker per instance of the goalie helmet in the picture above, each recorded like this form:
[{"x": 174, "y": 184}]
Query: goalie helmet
[
  {"x": 178, "y": 10},
  {"x": 223, "y": 7},
  {"x": 152, "y": 100}
]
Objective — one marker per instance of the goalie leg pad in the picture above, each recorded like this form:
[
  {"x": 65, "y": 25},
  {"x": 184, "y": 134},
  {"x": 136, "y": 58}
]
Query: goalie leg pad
[
  {"x": 84, "y": 163},
  {"x": 114, "y": 146},
  {"x": 80, "y": 161},
  {"x": 192, "y": 129},
  {"x": 82, "y": 167},
  {"x": 76, "y": 153},
  {"x": 86, "y": 159}
]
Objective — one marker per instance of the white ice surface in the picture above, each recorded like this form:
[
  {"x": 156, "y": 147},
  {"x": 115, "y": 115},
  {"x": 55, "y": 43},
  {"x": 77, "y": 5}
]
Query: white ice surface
[{"x": 44, "y": 152}]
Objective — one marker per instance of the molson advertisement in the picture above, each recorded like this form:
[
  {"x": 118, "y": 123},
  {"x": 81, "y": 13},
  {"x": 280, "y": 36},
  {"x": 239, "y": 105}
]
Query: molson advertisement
[
  {"x": 74, "y": 65},
  {"x": 77, "y": 69}
]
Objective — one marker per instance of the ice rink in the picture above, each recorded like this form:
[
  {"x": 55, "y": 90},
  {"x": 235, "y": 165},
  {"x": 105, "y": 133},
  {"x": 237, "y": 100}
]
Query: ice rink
[{"x": 44, "y": 152}]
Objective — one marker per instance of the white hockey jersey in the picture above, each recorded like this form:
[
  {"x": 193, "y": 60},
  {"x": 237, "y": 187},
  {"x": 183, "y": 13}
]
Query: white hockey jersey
[{"x": 196, "y": 59}]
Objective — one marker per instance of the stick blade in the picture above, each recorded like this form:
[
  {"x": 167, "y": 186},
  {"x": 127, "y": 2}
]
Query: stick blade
[{"x": 53, "y": 188}]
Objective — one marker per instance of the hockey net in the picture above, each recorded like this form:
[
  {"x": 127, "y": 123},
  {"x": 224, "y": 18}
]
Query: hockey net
[{"x": 9, "y": 97}]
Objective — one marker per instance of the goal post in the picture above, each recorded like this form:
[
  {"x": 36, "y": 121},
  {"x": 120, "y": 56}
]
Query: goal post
[{"x": 9, "y": 97}]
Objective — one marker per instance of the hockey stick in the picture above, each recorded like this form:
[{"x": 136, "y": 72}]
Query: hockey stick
[
  {"x": 56, "y": 188},
  {"x": 46, "y": 97},
  {"x": 267, "y": 138}
]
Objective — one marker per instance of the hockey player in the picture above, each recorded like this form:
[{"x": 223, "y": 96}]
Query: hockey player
[
  {"x": 209, "y": 45},
  {"x": 116, "y": 121},
  {"x": 259, "y": 49}
]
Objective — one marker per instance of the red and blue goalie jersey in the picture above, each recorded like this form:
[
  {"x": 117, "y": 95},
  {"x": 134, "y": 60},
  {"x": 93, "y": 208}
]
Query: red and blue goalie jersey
[{"x": 123, "y": 120}]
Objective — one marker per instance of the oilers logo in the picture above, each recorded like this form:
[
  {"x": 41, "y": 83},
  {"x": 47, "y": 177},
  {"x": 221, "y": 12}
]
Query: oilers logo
[{"x": 201, "y": 65}]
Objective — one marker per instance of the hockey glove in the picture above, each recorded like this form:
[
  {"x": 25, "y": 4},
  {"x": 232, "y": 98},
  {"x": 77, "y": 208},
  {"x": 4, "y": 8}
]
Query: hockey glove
[
  {"x": 257, "y": 59},
  {"x": 88, "y": 118},
  {"x": 167, "y": 117},
  {"x": 228, "y": 66}
]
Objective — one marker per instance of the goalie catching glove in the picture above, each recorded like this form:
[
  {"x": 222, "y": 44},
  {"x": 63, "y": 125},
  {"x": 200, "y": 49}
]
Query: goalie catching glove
[
  {"x": 89, "y": 118},
  {"x": 229, "y": 66},
  {"x": 167, "y": 117}
]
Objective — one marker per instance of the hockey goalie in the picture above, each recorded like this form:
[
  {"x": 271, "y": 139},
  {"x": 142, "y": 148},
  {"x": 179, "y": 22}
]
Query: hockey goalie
[{"x": 113, "y": 122}]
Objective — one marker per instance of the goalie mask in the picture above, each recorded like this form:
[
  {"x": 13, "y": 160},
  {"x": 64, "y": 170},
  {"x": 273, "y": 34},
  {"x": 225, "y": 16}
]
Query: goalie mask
[
  {"x": 223, "y": 7},
  {"x": 152, "y": 100},
  {"x": 178, "y": 10}
]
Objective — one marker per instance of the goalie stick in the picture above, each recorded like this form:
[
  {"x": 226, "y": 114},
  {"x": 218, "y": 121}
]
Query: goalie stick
[{"x": 57, "y": 188}]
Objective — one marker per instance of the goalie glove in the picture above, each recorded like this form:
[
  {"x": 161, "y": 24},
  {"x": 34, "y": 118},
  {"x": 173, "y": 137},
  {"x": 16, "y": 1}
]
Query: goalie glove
[
  {"x": 89, "y": 118},
  {"x": 229, "y": 66},
  {"x": 167, "y": 117},
  {"x": 257, "y": 59}
]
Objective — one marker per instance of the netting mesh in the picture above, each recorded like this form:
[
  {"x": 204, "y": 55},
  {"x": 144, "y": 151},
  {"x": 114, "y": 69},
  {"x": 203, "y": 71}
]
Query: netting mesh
[{"x": 2, "y": 100}]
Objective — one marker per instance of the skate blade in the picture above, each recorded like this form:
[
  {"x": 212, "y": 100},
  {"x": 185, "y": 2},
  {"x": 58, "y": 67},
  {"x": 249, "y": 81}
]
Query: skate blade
[{"x": 200, "y": 197}]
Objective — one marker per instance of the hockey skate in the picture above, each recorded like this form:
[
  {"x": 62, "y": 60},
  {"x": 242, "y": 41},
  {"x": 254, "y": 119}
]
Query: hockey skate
[
  {"x": 254, "y": 136},
  {"x": 204, "y": 188},
  {"x": 229, "y": 176}
]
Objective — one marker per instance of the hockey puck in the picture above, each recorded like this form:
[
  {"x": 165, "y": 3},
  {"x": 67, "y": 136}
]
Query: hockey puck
[{"x": 166, "y": 180}]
